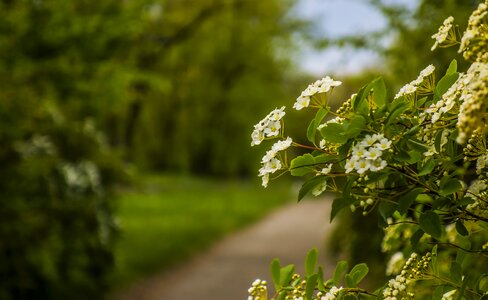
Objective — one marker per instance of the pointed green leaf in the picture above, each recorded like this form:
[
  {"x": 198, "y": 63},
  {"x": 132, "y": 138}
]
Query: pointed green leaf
[
  {"x": 310, "y": 286},
  {"x": 405, "y": 201},
  {"x": 275, "y": 272},
  {"x": 427, "y": 167},
  {"x": 338, "y": 204},
  {"x": 320, "y": 281},
  {"x": 452, "y": 67},
  {"x": 286, "y": 273},
  {"x": 340, "y": 271},
  {"x": 312, "y": 128},
  {"x": 444, "y": 84},
  {"x": 416, "y": 236},
  {"x": 311, "y": 261},
  {"x": 379, "y": 90},
  {"x": 431, "y": 223}
]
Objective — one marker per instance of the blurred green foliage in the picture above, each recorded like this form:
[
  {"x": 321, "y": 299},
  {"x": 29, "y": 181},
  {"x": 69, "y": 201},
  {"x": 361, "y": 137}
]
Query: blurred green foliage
[{"x": 87, "y": 85}]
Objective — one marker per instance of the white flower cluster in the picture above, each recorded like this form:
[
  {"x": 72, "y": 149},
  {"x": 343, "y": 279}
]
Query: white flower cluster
[
  {"x": 475, "y": 32},
  {"x": 37, "y": 145},
  {"x": 395, "y": 263},
  {"x": 81, "y": 176},
  {"x": 481, "y": 163},
  {"x": 332, "y": 293},
  {"x": 270, "y": 163},
  {"x": 366, "y": 155},
  {"x": 270, "y": 126},
  {"x": 320, "y": 86},
  {"x": 395, "y": 286},
  {"x": 472, "y": 99},
  {"x": 411, "y": 87},
  {"x": 258, "y": 290},
  {"x": 443, "y": 33}
]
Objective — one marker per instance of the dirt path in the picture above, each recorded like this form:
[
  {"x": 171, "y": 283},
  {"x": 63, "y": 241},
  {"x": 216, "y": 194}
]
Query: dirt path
[{"x": 226, "y": 270}]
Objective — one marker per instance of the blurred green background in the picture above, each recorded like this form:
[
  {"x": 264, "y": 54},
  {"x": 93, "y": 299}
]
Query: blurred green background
[{"x": 117, "y": 116}]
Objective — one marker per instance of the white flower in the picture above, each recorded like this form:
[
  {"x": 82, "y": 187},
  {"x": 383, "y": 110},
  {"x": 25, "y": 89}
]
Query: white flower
[
  {"x": 427, "y": 71},
  {"x": 320, "y": 86},
  {"x": 270, "y": 154},
  {"x": 273, "y": 128},
  {"x": 448, "y": 295},
  {"x": 325, "y": 170},
  {"x": 350, "y": 163},
  {"x": 406, "y": 90},
  {"x": 368, "y": 140},
  {"x": 282, "y": 145},
  {"x": 373, "y": 153},
  {"x": 395, "y": 263},
  {"x": 443, "y": 32},
  {"x": 302, "y": 102},
  {"x": 383, "y": 144},
  {"x": 377, "y": 165},
  {"x": 362, "y": 166},
  {"x": 332, "y": 293},
  {"x": 268, "y": 127}
]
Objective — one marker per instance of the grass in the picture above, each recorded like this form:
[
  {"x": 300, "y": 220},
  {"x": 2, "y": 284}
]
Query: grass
[{"x": 167, "y": 219}]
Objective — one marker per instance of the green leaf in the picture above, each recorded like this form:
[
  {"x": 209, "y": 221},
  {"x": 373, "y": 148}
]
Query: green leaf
[
  {"x": 461, "y": 229},
  {"x": 286, "y": 273},
  {"x": 397, "y": 108},
  {"x": 310, "y": 287},
  {"x": 275, "y": 272},
  {"x": 386, "y": 210},
  {"x": 282, "y": 295},
  {"x": 433, "y": 262},
  {"x": 452, "y": 67},
  {"x": 417, "y": 146},
  {"x": 312, "y": 128},
  {"x": 320, "y": 115},
  {"x": 444, "y": 84},
  {"x": 416, "y": 236},
  {"x": 431, "y": 223},
  {"x": 311, "y": 261},
  {"x": 358, "y": 273},
  {"x": 379, "y": 90},
  {"x": 450, "y": 186},
  {"x": 349, "y": 281},
  {"x": 334, "y": 133},
  {"x": 340, "y": 270},
  {"x": 324, "y": 158},
  {"x": 405, "y": 201},
  {"x": 338, "y": 204},
  {"x": 427, "y": 167},
  {"x": 354, "y": 127},
  {"x": 358, "y": 103},
  {"x": 320, "y": 283},
  {"x": 456, "y": 272},
  {"x": 302, "y": 165},
  {"x": 309, "y": 185}
]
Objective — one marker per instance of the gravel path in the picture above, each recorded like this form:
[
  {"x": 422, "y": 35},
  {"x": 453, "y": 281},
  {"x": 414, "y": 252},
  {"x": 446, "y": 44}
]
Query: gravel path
[{"x": 226, "y": 270}]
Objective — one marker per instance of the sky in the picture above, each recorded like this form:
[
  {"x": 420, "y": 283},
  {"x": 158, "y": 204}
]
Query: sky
[{"x": 336, "y": 18}]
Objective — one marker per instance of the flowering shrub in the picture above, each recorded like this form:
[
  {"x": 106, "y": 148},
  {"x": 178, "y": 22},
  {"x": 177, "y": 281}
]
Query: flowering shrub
[{"x": 418, "y": 160}]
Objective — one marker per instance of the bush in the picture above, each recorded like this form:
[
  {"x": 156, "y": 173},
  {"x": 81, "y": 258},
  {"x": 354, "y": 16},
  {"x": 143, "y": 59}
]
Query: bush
[{"x": 418, "y": 161}]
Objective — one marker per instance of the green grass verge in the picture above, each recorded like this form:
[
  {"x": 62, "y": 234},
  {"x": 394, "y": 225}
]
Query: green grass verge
[{"x": 167, "y": 219}]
